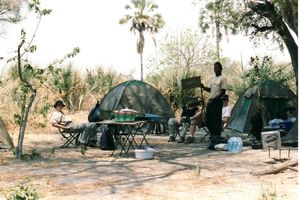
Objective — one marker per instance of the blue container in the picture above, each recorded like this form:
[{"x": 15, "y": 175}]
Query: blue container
[
  {"x": 287, "y": 126},
  {"x": 235, "y": 145}
]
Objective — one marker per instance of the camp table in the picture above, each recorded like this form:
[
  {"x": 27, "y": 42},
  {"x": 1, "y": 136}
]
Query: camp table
[
  {"x": 125, "y": 136},
  {"x": 153, "y": 120}
]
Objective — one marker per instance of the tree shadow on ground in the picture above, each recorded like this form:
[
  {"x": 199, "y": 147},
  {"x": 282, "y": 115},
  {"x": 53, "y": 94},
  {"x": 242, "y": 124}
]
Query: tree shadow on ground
[{"x": 97, "y": 168}]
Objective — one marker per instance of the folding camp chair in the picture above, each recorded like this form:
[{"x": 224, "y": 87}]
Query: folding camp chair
[
  {"x": 192, "y": 101},
  {"x": 70, "y": 137}
]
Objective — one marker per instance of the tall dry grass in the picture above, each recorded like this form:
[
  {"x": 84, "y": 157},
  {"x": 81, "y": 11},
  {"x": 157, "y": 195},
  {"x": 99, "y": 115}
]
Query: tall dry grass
[{"x": 78, "y": 95}]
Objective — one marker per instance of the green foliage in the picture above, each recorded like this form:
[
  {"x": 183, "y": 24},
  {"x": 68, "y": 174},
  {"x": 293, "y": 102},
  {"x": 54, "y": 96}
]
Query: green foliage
[
  {"x": 63, "y": 80},
  {"x": 68, "y": 83},
  {"x": 35, "y": 6},
  {"x": 219, "y": 15},
  {"x": 142, "y": 19},
  {"x": 219, "y": 12},
  {"x": 180, "y": 56},
  {"x": 100, "y": 82},
  {"x": 21, "y": 91},
  {"x": 17, "y": 119},
  {"x": 24, "y": 191},
  {"x": 52, "y": 150},
  {"x": 45, "y": 109},
  {"x": 30, "y": 78},
  {"x": 10, "y": 12},
  {"x": 75, "y": 51},
  {"x": 264, "y": 69},
  {"x": 268, "y": 192},
  {"x": 83, "y": 150},
  {"x": 274, "y": 20},
  {"x": 168, "y": 82},
  {"x": 186, "y": 50},
  {"x": 28, "y": 72},
  {"x": 33, "y": 154},
  {"x": 42, "y": 124}
]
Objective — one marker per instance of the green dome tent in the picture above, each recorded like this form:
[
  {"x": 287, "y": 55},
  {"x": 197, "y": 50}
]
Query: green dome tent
[
  {"x": 139, "y": 96},
  {"x": 270, "y": 95}
]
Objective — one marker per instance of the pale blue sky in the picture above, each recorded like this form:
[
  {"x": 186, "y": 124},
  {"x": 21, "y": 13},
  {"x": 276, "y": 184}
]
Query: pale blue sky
[{"x": 92, "y": 25}]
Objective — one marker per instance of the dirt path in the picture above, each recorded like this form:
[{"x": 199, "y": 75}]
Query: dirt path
[{"x": 67, "y": 174}]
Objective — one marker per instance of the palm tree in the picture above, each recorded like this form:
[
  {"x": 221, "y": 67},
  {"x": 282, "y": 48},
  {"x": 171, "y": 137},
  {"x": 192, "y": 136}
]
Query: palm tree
[
  {"x": 141, "y": 20},
  {"x": 216, "y": 15}
]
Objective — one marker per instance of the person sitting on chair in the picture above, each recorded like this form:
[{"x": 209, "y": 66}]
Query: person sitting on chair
[
  {"x": 197, "y": 120},
  {"x": 184, "y": 121},
  {"x": 216, "y": 89},
  {"x": 226, "y": 110},
  {"x": 59, "y": 120}
]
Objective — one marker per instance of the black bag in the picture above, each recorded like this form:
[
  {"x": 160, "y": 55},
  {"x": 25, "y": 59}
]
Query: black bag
[
  {"x": 107, "y": 140},
  {"x": 95, "y": 114}
]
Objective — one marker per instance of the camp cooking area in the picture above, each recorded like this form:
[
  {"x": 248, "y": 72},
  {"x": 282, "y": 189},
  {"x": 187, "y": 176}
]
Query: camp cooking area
[{"x": 176, "y": 170}]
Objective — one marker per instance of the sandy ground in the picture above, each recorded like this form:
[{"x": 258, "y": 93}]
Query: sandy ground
[{"x": 68, "y": 174}]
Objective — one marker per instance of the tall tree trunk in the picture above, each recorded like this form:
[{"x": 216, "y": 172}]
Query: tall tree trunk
[
  {"x": 267, "y": 9},
  {"x": 218, "y": 39},
  {"x": 140, "y": 49},
  {"x": 141, "y": 59},
  {"x": 19, "y": 149},
  {"x": 291, "y": 45}
]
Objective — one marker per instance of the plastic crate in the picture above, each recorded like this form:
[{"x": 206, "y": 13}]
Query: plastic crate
[{"x": 124, "y": 117}]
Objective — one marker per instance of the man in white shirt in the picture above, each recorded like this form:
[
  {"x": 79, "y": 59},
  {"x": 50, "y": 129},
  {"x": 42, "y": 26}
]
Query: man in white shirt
[
  {"x": 217, "y": 88},
  {"x": 59, "y": 120}
]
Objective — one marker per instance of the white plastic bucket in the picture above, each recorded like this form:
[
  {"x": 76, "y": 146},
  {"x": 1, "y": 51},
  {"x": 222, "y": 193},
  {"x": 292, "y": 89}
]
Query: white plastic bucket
[{"x": 144, "y": 153}]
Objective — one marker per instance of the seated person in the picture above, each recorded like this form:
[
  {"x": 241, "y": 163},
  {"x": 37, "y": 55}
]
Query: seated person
[
  {"x": 226, "y": 110},
  {"x": 173, "y": 125},
  {"x": 196, "y": 120},
  {"x": 59, "y": 120},
  {"x": 184, "y": 120},
  {"x": 199, "y": 118}
]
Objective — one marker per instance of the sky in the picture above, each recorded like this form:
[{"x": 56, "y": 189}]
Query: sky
[{"x": 92, "y": 25}]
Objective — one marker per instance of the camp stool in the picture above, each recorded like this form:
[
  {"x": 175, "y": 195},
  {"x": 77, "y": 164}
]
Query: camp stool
[
  {"x": 202, "y": 125},
  {"x": 70, "y": 137}
]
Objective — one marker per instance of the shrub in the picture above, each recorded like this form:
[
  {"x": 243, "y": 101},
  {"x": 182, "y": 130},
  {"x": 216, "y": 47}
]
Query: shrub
[{"x": 23, "y": 191}]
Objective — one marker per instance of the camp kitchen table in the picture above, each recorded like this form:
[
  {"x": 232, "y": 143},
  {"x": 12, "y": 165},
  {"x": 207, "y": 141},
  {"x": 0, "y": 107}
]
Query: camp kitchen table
[{"x": 126, "y": 133}]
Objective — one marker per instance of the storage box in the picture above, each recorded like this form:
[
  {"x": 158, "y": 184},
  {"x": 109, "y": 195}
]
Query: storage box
[
  {"x": 144, "y": 153},
  {"x": 271, "y": 139},
  {"x": 124, "y": 117}
]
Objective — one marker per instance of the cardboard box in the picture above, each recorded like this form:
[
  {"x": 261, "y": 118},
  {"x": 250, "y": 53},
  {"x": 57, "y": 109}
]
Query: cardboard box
[{"x": 271, "y": 139}]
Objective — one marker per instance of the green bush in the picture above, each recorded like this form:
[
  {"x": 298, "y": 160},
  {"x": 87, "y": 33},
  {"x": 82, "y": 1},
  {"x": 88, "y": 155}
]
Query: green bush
[
  {"x": 33, "y": 154},
  {"x": 262, "y": 69},
  {"x": 22, "y": 192}
]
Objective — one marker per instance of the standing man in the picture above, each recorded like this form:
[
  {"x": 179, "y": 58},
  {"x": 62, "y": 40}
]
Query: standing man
[{"x": 217, "y": 88}]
